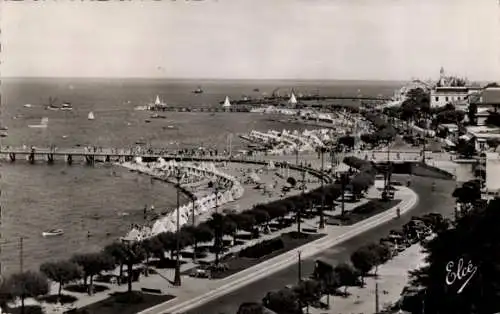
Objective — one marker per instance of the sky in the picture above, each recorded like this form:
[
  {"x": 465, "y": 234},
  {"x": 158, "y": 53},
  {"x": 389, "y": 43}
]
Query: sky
[{"x": 252, "y": 39}]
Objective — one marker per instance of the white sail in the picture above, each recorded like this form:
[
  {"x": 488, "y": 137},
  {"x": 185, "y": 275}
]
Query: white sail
[
  {"x": 293, "y": 100},
  {"x": 91, "y": 116},
  {"x": 157, "y": 101},
  {"x": 227, "y": 103}
]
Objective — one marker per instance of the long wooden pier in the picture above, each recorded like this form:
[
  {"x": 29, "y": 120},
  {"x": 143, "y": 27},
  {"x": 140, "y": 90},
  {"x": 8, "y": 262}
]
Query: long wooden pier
[{"x": 93, "y": 154}]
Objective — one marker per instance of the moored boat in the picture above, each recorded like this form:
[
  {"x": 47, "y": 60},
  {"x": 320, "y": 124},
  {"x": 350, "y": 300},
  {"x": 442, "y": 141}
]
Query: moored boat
[
  {"x": 53, "y": 233},
  {"x": 91, "y": 116},
  {"x": 198, "y": 90},
  {"x": 66, "y": 106}
]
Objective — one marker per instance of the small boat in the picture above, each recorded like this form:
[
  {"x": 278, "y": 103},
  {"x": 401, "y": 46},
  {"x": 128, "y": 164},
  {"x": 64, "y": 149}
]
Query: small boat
[
  {"x": 4, "y": 134},
  {"x": 43, "y": 124},
  {"x": 53, "y": 233},
  {"x": 27, "y": 106},
  {"x": 52, "y": 107},
  {"x": 4, "y": 128},
  {"x": 66, "y": 106},
  {"x": 147, "y": 121},
  {"x": 91, "y": 116},
  {"x": 256, "y": 90},
  {"x": 198, "y": 90},
  {"x": 157, "y": 116}
]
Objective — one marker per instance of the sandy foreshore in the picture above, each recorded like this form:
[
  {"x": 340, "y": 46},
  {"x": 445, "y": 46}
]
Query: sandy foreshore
[{"x": 245, "y": 185}]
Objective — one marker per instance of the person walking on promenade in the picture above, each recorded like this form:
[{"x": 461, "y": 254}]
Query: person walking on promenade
[{"x": 398, "y": 212}]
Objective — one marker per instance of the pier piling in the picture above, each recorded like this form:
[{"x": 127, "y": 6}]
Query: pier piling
[
  {"x": 31, "y": 157},
  {"x": 69, "y": 159},
  {"x": 50, "y": 158},
  {"x": 12, "y": 157}
]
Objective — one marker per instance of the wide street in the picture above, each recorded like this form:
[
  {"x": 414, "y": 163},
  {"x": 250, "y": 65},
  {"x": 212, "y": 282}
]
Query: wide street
[{"x": 437, "y": 201}]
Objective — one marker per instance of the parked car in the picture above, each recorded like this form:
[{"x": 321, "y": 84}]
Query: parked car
[{"x": 200, "y": 272}]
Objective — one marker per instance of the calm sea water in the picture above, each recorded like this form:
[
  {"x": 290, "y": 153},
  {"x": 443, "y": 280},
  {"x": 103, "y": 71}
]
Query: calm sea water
[{"x": 81, "y": 199}]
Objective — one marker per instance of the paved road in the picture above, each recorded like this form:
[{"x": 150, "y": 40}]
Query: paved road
[{"x": 438, "y": 201}]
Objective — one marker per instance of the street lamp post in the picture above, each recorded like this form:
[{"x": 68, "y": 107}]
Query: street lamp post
[
  {"x": 177, "y": 276},
  {"x": 321, "y": 217},
  {"x": 218, "y": 230},
  {"x": 299, "y": 266}
]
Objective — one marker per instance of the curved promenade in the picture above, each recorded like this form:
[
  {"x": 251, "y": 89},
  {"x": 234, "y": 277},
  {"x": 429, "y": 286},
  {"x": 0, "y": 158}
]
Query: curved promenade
[
  {"x": 167, "y": 169},
  {"x": 335, "y": 236}
]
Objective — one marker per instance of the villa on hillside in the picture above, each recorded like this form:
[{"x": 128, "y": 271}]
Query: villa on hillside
[{"x": 487, "y": 101}]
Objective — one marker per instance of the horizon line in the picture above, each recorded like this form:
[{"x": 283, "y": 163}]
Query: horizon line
[{"x": 202, "y": 78}]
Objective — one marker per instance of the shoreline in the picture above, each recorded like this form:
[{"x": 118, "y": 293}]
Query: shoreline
[{"x": 162, "y": 170}]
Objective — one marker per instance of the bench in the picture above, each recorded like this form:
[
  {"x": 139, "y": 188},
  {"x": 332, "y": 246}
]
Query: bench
[{"x": 149, "y": 290}]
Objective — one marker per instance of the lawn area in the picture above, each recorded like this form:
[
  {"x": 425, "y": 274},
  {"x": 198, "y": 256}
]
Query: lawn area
[
  {"x": 236, "y": 263},
  {"x": 123, "y": 303},
  {"x": 291, "y": 240},
  {"x": 364, "y": 211}
]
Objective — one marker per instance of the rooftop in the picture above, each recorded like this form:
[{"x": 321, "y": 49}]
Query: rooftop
[{"x": 491, "y": 95}]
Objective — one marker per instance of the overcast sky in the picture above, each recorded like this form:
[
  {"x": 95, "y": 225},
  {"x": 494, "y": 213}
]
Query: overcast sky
[{"x": 295, "y": 39}]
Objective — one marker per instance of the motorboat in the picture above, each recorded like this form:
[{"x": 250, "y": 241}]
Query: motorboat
[
  {"x": 52, "y": 107},
  {"x": 91, "y": 116},
  {"x": 53, "y": 233},
  {"x": 198, "y": 90},
  {"x": 66, "y": 106}
]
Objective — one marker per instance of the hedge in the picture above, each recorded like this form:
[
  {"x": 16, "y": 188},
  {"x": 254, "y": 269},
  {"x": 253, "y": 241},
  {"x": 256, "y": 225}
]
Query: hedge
[{"x": 263, "y": 248}]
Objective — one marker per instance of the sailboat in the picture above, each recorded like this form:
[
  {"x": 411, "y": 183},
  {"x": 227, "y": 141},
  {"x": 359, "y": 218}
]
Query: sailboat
[
  {"x": 51, "y": 105},
  {"x": 43, "y": 124},
  {"x": 158, "y": 105},
  {"x": 227, "y": 104},
  {"x": 292, "y": 100},
  {"x": 91, "y": 116}
]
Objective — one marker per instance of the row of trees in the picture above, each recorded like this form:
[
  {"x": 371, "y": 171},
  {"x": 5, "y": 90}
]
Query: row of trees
[
  {"x": 119, "y": 254},
  {"x": 384, "y": 131},
  {"x": 327, "y": 279}
]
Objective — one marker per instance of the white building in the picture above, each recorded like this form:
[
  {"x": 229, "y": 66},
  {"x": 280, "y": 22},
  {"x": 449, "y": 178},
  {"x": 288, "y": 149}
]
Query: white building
[{"x": 441, "y": 96}]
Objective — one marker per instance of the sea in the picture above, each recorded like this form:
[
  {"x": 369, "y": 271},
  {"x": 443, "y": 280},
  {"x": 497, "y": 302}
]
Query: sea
[{"x": 96, "y": 205}]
